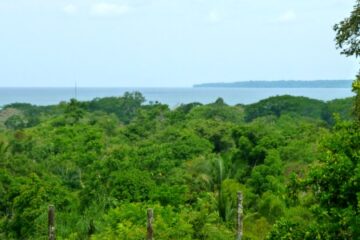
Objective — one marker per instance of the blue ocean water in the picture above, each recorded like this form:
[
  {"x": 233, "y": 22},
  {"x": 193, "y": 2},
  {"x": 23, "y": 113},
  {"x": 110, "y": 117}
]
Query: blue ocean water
[{"x": 171, "y": 96}]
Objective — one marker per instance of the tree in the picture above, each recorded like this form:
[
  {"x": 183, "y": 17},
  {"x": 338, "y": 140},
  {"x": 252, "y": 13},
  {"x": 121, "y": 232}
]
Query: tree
[
  {"x": 348, "y": 40},
  {"x": 332, "y": 183},
  {"x": 124, "y": 107},
  {"x": 15, "y": 122},
  {"x": 348, "y": 33},
  {"x": 73, "y": 111}
]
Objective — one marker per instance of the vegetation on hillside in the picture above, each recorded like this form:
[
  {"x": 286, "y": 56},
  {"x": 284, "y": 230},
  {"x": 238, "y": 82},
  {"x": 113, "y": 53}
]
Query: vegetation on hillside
[{"x": 103, "y": 163}]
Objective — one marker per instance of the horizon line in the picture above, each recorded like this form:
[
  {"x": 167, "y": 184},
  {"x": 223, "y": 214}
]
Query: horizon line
[{"x": 86, "y": 86}]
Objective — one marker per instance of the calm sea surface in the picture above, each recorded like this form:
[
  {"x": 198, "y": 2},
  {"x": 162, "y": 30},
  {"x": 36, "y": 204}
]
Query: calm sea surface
[{"x": 170, "y": 96}]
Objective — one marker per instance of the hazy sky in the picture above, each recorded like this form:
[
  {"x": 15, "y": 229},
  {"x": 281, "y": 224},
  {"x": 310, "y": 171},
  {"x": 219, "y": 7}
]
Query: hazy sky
[{"x": 169, "y": 42}]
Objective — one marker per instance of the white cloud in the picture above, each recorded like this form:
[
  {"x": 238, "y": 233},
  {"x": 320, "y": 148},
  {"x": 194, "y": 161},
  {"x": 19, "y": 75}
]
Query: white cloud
[
  {"x": 70, "y": 9},
  {"x": 109, "y": 9},
  {"x": 214, "y": 16},
  {"x": 288, "y": 16}
]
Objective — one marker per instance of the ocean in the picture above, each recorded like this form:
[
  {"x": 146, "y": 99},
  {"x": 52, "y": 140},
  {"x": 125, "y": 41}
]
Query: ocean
[{"x": 171, "y": 96}]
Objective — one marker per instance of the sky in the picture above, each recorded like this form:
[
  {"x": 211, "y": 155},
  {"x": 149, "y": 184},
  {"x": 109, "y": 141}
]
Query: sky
[{"x": 169, "y": 43}]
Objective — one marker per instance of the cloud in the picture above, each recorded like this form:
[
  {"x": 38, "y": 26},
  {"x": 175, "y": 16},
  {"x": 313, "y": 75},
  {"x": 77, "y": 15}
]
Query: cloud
[
  {"x": 288, "y": 16},
  {"x": 108, "y": 9},
  {"x": 214, "y": 16},
  {"x": 70, "y": 9}
]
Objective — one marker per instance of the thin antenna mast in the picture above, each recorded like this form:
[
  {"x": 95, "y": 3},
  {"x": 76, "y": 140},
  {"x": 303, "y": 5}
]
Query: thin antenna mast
[{"x": 76, "y": 90}]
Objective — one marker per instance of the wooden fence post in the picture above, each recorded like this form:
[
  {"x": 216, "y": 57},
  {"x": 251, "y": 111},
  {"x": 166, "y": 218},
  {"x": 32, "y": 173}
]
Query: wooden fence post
[
  {"x": 240, "y": 217},
  {"x": 150, "y": 220},
  {"x": 51, "y": 222}
]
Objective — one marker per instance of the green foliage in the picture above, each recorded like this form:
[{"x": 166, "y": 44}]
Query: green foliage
[
  {"x": 15, "y": 122},
  {"x": 29, "y": 204},
  {"x": 267, "y": 176},
  {"x": 285, "y": 105},
  {"x": 128, "y": 221},
  {"x": 104, "y": 162},
  {"x": 133, "y": 185},
  {"x": 124, "y": 107},
  {"x": 218, "y": 111},
  {"x": 356, "y": 90},
  {"x": 73, "y": 112},
  {"x": 342, "y": 107},
  {"x": 348, "y": 40},
  {"x": 29, "y": 114},
  {"x": 332, "y": 184},
  {"x": 348, "y": 33}
]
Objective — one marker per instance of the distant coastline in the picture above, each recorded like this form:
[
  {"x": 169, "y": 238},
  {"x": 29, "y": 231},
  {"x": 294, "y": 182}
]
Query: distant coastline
[{"x": 280, "y": 84}]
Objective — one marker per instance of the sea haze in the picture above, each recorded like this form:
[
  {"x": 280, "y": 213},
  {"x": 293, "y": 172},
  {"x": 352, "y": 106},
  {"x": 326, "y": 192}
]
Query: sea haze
[{"x": 171, "y": 96}]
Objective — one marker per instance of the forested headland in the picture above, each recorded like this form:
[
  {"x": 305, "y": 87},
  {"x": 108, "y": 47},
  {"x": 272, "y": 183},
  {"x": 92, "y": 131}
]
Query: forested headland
[
  {"x": 102, "y": 163},
  {"x": 280, "y": 84}
]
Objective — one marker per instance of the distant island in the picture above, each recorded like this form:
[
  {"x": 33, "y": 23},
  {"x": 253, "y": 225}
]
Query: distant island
[{"x": 280, "y": 84}]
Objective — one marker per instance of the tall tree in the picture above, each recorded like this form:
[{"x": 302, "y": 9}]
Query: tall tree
[{"x": 348, "y": 40}]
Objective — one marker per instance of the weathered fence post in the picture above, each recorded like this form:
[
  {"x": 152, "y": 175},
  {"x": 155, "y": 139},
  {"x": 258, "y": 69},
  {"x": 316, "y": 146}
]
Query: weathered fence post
[
  {"x": 150, "y": 220},
  {"x": 51, "y": 222},
  {"x": 240, "y": 216}
]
